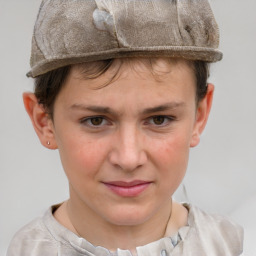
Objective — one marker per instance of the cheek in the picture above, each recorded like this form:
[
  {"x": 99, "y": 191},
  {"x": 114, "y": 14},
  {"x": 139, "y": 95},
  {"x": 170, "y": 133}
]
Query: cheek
[
  {"x": 171, "y": 159},
  {"x": 172, "y": 150},
  {"x": 82, "y": 157}
]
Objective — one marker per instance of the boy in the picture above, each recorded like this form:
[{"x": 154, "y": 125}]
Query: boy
[{"x": 121, "y": 91}]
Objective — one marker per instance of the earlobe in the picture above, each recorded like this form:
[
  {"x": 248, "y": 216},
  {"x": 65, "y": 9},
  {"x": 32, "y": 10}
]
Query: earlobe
[
  {"x": 42, "y": 124},
  {"x": 203, "y": 111}
]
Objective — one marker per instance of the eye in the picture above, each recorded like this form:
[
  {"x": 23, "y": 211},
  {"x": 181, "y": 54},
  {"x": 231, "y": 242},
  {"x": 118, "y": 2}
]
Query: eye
[
  {"x": 160, "y": 120},
  {"x": 95, "y": 121}
]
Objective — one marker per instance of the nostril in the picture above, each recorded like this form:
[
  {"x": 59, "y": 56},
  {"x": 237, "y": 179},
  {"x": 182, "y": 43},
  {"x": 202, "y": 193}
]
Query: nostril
[{"x": 127, "y": 160}]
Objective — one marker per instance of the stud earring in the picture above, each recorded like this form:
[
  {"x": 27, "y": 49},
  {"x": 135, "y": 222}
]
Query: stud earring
[{"x": 48, "y": 143}]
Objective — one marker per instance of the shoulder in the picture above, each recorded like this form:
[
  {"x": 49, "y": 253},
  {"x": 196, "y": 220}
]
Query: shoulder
[
  {"x": 216, "y": 232},
  {"x": 219, "y": 223},
  {"x": 34, "y": 237}
]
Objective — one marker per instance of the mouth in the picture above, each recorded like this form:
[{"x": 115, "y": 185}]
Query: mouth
[{"x": 127, "y": 189}]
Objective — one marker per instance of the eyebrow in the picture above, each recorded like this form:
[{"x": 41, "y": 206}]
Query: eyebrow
[
  {"x": 96, "y": 109},
  {"x": 107, "y": 110},
  {"x": 164, "y": 107}
]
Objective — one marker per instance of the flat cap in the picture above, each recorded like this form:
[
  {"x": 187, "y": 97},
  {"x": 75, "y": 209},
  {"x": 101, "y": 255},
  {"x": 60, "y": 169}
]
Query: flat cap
[{"x": 76, "y": 31}]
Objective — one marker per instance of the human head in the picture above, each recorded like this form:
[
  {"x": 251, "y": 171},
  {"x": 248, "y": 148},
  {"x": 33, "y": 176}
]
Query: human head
[{"x": 137, "y": 128}]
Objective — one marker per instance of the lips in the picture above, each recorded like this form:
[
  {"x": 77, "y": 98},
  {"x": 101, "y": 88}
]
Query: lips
[{"x": 127, "y": 189}]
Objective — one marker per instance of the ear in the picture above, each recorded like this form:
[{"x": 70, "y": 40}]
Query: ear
[
  {"x": 41, "y": 121},
  {"x": 202, "y": 114}
]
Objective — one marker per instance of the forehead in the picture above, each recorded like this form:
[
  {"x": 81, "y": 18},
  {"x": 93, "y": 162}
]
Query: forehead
[
  {"x": 110, "y": 70},
  {"x": 130, "y": 79}
]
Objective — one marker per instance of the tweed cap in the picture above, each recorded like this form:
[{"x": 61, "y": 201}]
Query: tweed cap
[{"x": 75, "y": 31}]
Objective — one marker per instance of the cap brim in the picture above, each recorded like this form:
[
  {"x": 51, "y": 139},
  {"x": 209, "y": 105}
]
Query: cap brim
[{"x": 189, "y": 53}]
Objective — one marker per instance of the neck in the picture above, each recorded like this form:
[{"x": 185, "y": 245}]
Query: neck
[
  {"x": 75, "y": 217},
  {"x": 113, "y": 236}
]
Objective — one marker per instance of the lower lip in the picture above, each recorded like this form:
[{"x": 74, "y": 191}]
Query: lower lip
[{"x": 132, "y": 191}]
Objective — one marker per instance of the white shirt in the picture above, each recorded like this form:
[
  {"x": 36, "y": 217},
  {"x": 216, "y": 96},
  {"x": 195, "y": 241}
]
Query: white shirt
[{"x": 210, "y": 235}]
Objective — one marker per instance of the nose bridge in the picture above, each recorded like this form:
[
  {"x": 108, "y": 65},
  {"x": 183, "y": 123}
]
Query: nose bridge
[{"x": 128, "y": 152}]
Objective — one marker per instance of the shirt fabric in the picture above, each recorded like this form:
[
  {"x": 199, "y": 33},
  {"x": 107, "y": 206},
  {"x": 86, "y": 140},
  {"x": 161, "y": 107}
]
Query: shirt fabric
[{"x": 205, "y": 235}]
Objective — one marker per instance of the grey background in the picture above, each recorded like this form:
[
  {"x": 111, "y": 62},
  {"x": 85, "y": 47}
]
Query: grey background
[{"x": 222, "y": 171}]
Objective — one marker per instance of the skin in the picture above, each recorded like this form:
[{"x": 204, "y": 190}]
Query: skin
[{"x": 140, "y": 127}]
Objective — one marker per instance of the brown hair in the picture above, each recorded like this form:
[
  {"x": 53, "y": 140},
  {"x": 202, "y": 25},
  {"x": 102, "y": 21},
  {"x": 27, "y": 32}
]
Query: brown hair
[{"x": 48, "y": 86}]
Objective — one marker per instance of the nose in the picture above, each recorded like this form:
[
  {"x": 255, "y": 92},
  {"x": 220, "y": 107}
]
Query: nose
[{"x": 128, "y": 152}]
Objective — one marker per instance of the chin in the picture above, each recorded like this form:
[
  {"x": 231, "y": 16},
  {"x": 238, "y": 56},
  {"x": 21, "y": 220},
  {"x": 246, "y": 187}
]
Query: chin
[{"x": 128, "y": 216}]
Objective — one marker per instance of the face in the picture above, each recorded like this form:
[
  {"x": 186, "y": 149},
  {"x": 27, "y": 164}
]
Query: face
[{"x": 125, "y": 146}]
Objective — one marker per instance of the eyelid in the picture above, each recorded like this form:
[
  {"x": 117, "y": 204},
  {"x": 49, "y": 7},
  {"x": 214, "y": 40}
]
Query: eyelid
[
  {"x": 84, "y": 121},
  {"x": 168, "y": 120},
  {"x": 106, "y": 122}
]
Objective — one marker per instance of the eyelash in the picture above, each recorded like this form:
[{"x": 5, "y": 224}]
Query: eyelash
[
  {"x": 88, "y": 121},
  {"x": 166, "y": 122}
]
